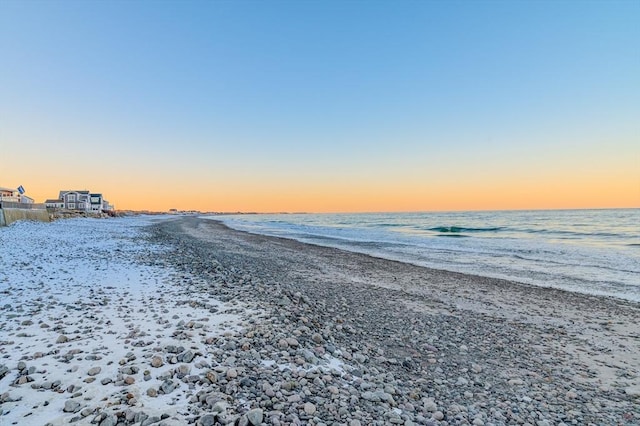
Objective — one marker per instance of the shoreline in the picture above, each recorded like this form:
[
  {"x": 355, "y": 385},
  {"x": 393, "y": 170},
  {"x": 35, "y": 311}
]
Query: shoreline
[
  {"x": 520, "y": 286},
  {"x": 213, "y": 325},
  {"x": 597, "y": 335},
  {"x": 507, "y": 281},
  {"x": 513, "y": 248}
]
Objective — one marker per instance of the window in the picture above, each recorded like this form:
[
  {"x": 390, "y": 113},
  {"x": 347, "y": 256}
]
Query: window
[
  {"x": 71, "y": 198},
  {"x": 72, "y": 205}
]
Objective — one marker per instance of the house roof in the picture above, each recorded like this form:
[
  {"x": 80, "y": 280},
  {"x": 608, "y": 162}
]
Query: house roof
[
  {"x": 7, "y": 189},
  {"x": 52, "y": 201},
  {"x": 78, "y": 191}
]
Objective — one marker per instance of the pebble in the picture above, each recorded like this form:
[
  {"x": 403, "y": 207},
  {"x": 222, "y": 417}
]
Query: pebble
[
  {"x": 156, "y": 362},
  {"x": 255, "y": 416},
  {"x": 109, "y": 420},
  {"x": 71, "y": 406},
  {"x": 309, "y": 408},
  {"x": 633, "y": 391}
]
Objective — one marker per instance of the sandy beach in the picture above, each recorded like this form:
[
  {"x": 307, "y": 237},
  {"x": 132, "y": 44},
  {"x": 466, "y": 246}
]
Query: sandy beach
[{"x": 184, "y": 321}]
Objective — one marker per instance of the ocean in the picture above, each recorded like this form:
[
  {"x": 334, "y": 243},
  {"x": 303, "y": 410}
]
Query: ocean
[{"x": 587, "y": 251}]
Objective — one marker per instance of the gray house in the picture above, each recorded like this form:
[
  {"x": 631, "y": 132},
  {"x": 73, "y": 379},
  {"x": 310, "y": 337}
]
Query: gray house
[{"x": 80, "y": 200}]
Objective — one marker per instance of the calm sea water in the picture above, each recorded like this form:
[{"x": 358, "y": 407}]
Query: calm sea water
[{"x": 589, "y": 251}]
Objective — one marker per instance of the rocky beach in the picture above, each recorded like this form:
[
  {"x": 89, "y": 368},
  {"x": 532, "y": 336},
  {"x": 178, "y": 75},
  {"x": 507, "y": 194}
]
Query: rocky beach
[{"x": 174, "y": 321}]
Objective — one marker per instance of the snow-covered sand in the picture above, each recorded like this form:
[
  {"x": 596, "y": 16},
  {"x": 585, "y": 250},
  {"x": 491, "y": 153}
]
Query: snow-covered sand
[{"x": 82, "y": 316}]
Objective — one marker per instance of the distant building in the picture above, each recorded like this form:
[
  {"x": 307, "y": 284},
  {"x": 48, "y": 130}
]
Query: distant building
[
  {"x": 95, "y": 202},
  {"x": 14, "y": 196},
  {"x": 14, "y": 206},
  {"x": 80, "y": 200},
  {"x": 75, "y": 200},
  {"x": 54, "y": 204},
  {"x": 6, "y": 192},
  {"x": 107, "y": 207}
]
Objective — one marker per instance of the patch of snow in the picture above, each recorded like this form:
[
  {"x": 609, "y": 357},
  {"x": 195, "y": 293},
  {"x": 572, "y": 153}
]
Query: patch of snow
[{"x": 87, "y": 279}]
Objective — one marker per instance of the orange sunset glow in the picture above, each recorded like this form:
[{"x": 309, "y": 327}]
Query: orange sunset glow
[{"x": 238, "y": 110}]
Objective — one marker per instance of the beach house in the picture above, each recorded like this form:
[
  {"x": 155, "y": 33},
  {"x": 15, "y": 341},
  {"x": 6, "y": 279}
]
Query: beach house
[
  {"x": 14, "y": 206},
  {"x": 75, "y": 200},
  {"x": 10, "y": 195},
  {"x": 54, "y": 204},
  {"x": 79, "y": 200}
]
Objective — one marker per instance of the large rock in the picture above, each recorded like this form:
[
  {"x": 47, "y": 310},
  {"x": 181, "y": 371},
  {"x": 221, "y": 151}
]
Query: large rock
[
  {"x": 633, "y": 391},
  {"x": 187, "y": 356},
  {"x": 207, "y": 420},
  {"x": 3, "y": 370},
  {"x": 110, "y": 420},
  {"x": 232, "y": 373},
  {"x": 71, "y": 406},
  {"x": 255, "y": 416},
  {"x": 370, "y": 396},
  {"x": 168, "y": 386},
  {"x": 309, "y": 408},
  {"x": 156, "y": 361}
]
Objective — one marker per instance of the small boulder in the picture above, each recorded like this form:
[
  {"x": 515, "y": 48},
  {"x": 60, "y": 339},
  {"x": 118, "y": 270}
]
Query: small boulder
[
  {"x": 156, "y": 361},
  {"x": 71, "y": 406},
  {"x": 255, "y": 416}
]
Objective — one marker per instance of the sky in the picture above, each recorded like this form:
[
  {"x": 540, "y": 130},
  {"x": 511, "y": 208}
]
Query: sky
[{"x": 323, "y": 106}]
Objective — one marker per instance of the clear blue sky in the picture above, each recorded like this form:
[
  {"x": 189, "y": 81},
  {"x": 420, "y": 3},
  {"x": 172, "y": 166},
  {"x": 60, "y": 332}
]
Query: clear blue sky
[{"x": 275, "y": 97}]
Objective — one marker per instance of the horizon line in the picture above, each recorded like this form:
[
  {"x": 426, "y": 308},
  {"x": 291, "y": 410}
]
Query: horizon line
[{"x": 240, "y": 212}]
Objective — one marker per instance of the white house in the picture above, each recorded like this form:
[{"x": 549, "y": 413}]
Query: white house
[
  {"x": 107, "y": 206},
  {"x": 14, "y": 196},
  {"x": 8, "y": 194},
  {"x": 54, "y": 204},
  {"x": 95, "y": 202}
]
